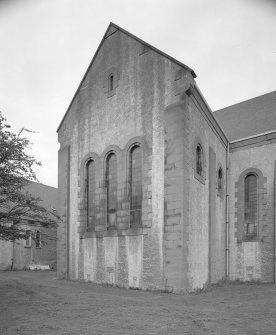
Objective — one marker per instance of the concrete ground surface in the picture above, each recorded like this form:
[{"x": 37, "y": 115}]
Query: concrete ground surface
[{"x": 39, "y": 303}]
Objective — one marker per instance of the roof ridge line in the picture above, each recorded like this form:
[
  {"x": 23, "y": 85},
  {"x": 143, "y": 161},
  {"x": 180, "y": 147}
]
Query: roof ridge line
[{"x": 238, "y": 103}]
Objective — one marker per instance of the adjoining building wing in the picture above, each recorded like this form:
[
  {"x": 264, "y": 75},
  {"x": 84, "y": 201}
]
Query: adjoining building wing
[{"x": 40, "y": 249}]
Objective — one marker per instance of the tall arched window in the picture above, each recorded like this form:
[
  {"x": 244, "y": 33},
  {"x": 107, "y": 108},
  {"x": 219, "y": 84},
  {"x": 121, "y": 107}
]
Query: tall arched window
[
  {"x": 111, "y": 189},
  {"x": 90, "y": 194},
  {"x": 199, "y": 160},
  {"x": 219, "y": 179},
  {"x": 135, "y": 178},
  {"x": 250, "y": 205},
  {"x": 28, "y": 242},
  {"x": 38, "y": 239}
]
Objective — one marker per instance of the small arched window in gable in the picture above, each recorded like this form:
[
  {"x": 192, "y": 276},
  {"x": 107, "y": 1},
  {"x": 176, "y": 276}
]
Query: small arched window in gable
[
  {"x": 199, "y": 160},
  {"x": 111, "y": 82},
  {"x": 90, "y": 194},
  {"x": 220, "y": 182},
  {"x": 28, "y": 242},
  {"x": 135, "y": 178},
  {"x": 220, "y": 179},
  {"x": 111, "y": 189},
  {"x": 250, "y": 205}
]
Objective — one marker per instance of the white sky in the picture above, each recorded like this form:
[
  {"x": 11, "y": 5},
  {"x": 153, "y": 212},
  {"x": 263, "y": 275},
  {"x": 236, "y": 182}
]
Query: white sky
[{"x": 46, "y": 46}]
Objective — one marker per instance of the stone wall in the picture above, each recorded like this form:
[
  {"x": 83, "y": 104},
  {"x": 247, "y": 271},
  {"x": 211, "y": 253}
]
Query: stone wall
[
  {"x": 18, "y": 256},
  {"x": 252, "y": 259},
  {"x": 194, "y": 238},
  {"x": 6, "y": 254},
  {"x": 99, "y": 119}
]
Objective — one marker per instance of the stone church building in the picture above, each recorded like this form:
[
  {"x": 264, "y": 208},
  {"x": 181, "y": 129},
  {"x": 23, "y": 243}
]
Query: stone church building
[{"x": 155, "y": 190}]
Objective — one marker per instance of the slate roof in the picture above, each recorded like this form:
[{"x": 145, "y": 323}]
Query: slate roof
[
  {"x": 47, "y": 194},
  {"x": 248, "y": 118}
]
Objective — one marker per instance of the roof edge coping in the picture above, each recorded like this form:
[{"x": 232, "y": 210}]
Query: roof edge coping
[{"x": 111, "y": 24}]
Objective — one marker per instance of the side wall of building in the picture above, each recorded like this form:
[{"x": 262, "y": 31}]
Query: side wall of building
[
  {"x": 6, "y": 254},
  {"x": 194, "y": 238},
  {"x": 18, "y": 255},
  {"x": 252, "y": 256}
]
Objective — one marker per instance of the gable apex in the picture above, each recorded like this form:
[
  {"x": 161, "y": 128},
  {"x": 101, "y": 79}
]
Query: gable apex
[
  {"x": 111, "y": 29},
  {"x": 115, "y": 28}
]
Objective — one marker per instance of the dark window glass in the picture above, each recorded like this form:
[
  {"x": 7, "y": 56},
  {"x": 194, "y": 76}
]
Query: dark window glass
[
  {"x": 111, "y": 185},
  {"x": 220, "y": 179},
  {"x": 199, "y": 160},
  {"x": 29, "y": 239},
  {"x": 90, "y": 194},
  {"x": 111, "y": 83},
  {"x": 38, "y": 239},
  {"x": 135, "y": 186},
  {"x": 250, "y": 205}
]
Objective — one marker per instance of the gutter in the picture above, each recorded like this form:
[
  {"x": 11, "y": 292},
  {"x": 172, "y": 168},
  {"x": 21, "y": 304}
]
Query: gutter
[{"x": 253, "y": 136}]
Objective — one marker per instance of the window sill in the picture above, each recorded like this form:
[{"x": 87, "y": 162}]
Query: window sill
[
  {"x": 199, "y": 178},
  {"x": 27, "y": 246},
  {"x": 111, "y": 93},
  {"x": 115, "y": 233},
  {"x": 250, "y": 239}
]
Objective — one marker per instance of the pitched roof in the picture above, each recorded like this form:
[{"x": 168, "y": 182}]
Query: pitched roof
[
  {"x": 248, "y": 118},
  {"x": 112, "y": 28},
  {"x": 47, "y": 194}
]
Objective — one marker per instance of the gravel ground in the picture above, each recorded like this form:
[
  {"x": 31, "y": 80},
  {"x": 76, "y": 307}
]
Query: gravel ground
[{"x": 39, "y": 303}]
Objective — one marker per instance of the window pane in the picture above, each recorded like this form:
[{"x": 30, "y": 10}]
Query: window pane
[
  {"x": 38, "y": 239},
  {"x": 220, "y": 179},
  {"x": 198, "y": 160},
  {"x": 29, "y": 239},
  {"x": 111, "y": 80},
  {"x": 111, "y": 182},
  {"x": 91, "y": 195},
  {"x": 135, "y": 186},
  {"x": 250, "y": 205}
]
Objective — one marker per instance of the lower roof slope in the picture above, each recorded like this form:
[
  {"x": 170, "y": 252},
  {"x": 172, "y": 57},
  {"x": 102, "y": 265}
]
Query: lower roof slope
[{"x": 248, "y": 118}]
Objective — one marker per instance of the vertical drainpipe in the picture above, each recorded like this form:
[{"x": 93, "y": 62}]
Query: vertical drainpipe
[
  {"x": 227, "y": 215},
  {"x": 274, "y": 220},
  {"x": 12, "y": 258},
  {"x": 68, "y": 217}
]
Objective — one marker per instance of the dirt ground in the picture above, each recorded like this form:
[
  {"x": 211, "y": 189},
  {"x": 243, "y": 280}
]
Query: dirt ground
[{"x": 39, "y": 303}]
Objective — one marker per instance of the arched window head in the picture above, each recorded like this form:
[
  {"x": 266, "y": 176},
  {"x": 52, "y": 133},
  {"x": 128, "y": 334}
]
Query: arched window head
[
  {"x": 199, "y": 160},
  {"x": 90, "y": 194},
  {"x": 111, "y": 189},
  {"x": 250, "y": 205},
  {"x": 135, "y": 184},
  {"x": 111, "y": 82}
]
